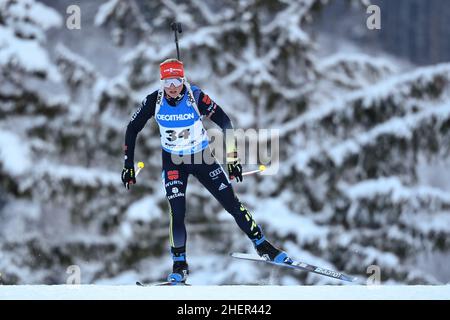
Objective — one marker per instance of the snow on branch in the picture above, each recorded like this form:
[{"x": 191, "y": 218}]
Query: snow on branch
[
  {"x": 382, "y": 202},
  {"x": 25, "y": 55},
  {"x": 15, "y": 159},
  {"x": 105, "y": 12},
  {"x": 393, "y": 188},
  {"x": 125, "y": 16},
  {"x": 29, "y": 18},
  {"x": 355, "y": 71},
  {"x": 288, "y": 22},
  {"x": 434, "y": 226},
  {"x": 418, "y": 83},
  {"x": 77, "y": 175},
  {"x": 75, "y": 68},
  {"x": 397, "y": 128}
]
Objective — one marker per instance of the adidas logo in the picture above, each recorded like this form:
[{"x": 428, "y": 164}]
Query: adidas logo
[{"x": 222, "y": 186}]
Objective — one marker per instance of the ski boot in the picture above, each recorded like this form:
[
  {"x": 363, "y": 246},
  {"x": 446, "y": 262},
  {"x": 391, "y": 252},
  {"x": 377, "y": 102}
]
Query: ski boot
[
  {"x": 180, "y": 269},
  {"x": 269, "y": 252}
]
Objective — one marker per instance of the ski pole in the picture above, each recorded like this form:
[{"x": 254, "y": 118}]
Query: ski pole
[
  {"x": 261, "y": 169},
  {"x": 140, "y": 167},
  {"x": 176, "y": 27}
]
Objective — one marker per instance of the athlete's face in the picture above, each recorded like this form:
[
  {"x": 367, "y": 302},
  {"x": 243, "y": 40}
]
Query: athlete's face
[{"x": 173, "y": 91}]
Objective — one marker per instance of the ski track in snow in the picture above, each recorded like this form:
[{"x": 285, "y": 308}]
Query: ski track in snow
[{"x": 99, "y": 292}]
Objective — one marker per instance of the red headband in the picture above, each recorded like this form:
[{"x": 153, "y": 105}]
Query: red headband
[{"x": 171, "y": 69}]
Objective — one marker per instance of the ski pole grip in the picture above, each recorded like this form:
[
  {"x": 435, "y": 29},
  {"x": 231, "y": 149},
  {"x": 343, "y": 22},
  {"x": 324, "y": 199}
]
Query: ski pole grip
[{"x": 141, "y": 166}]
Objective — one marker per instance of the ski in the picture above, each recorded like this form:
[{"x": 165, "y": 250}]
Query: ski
[
  {"x": 166, "y": 283},
  {"x": 296, "y": 265}
]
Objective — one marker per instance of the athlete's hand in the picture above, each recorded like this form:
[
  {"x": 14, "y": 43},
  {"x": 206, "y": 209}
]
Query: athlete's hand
[
  {"x": 128, "y": 177},
  {"x": 235, "y": 170}
]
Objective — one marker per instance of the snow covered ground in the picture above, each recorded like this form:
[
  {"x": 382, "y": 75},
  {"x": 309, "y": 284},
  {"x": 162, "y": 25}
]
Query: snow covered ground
[{"x": 99, "y": 292}]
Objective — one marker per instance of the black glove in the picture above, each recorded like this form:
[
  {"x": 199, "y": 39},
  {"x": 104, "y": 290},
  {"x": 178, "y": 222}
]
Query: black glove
[
  {"x": 235, "y": 170},
  {"x": 128, "y": 177}
]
